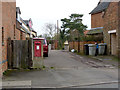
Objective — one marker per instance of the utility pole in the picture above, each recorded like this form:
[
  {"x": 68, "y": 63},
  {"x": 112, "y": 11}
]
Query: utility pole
[{"x": 57, "y": 28}]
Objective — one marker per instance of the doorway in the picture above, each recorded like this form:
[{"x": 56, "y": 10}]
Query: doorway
[{"x": 113, "y": 44}]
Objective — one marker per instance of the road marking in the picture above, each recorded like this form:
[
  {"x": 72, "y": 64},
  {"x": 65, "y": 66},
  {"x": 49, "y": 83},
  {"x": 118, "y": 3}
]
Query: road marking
[
  {"x": 68, "y": 86},
  {"x": 16, "y": 83},
  {"x": 89, "y": 84},
  {"x": 42, "y": 87}
]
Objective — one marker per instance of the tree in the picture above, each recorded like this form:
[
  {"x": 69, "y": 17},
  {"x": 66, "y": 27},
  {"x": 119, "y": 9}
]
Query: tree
[
  {"x": 62, "y": 38},
  {"x": 50, "y": 29},
  {"x": 74, "y": 22}
]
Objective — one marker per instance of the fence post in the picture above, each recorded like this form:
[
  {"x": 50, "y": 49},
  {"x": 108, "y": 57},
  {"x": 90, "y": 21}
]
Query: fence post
[
  {"x": 9, "y": 53},
  {"x": 73, "y": 45},
  {"x": 78, "y": 46},
  {"x": 30, "y": 53}
]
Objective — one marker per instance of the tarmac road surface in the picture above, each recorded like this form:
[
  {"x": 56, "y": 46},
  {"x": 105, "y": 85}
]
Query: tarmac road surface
[{"x": 64, "y": 70}]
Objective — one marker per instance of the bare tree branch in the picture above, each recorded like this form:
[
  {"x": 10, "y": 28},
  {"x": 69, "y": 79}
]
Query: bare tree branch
[{"x": 50, "y": 29}]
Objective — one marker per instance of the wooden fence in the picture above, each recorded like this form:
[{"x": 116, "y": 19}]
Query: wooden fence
[
  {"x": 19, "y": 53},
  {"x": 54, "y": 45},
  {"x": 74, "y": 45}
]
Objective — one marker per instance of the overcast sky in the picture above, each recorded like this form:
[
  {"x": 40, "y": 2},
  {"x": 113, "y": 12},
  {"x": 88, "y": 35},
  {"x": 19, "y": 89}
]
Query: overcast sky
[{"x": 49, "y": 11}]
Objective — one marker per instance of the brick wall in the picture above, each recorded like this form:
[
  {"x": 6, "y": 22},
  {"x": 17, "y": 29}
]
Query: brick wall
[
  {"x": 110, "y": 23},
  {"x": 118, "y": 31},
  {"x": 9, "y": 25},
  {"x": 23, "y": 36},
  {"x": 96, "y": 20},
  {"x": 0, "y": 40}
]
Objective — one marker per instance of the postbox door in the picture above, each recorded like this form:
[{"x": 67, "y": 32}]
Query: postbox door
[{"x": 37, "y": 49}]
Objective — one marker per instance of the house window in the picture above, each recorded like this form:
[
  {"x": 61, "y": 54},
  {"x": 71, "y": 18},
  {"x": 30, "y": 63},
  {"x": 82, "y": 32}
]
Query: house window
[
  {"x": 18, "y": 17},
  {"x": 14, "y": 31},
  {"x": 2, "y": 36}
]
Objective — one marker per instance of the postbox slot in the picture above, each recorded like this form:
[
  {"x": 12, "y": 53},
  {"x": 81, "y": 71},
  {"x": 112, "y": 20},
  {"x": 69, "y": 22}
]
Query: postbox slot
[
  {"x": 37, "y": 43},
  {"x": 37, "y": 48}
]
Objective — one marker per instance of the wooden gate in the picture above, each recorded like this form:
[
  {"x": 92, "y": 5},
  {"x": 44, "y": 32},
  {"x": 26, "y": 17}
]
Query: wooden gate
[{"x": 19, "y": 53}]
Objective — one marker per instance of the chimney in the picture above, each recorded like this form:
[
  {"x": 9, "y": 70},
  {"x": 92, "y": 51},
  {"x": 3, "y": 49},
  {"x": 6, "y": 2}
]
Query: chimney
[{"x": 101, "y": 1}]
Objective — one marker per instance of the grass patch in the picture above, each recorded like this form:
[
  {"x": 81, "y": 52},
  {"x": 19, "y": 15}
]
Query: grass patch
[
  {"x": 110, "y": 58},
  {"x": 7, "y": 73},
  {"x": 75, "y": 51},
  {"x": 43, "y": 67},
  {"x": 116, "y": 59},
  {"x": 119, "y": 66},
  {"x": 80, "y": 53},
  {"x": 52, "y": 67}
]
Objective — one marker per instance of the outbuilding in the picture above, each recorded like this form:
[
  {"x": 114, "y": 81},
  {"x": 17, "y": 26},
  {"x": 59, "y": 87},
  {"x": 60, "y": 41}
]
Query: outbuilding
[{"x": 66, "y": 45}]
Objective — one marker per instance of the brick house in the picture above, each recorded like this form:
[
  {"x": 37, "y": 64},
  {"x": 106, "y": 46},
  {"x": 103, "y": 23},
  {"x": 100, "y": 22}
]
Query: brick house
[
  {"x": 19, "y": 24},
  {"x": 10, "y": 29},
  {"x": 106, "y": 15},
  {"x": 25, "y": 28},
  {"x": 34, "y": 33},
  {"x": 29, "y": 24},
  {"x": 85, "y": 32}
]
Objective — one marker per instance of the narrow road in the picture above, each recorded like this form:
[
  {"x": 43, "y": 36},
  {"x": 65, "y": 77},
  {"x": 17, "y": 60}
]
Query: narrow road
[{"x": 64, "y": 70}]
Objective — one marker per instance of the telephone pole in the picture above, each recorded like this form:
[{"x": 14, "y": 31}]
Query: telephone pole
[{"x": 57, "y": 28}]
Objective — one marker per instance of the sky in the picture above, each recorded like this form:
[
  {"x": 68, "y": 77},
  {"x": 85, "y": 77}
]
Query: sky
[{"x": 49, "y": 11}]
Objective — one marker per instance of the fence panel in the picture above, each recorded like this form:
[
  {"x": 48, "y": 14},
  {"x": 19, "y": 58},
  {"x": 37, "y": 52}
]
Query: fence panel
[
  {"x": 74, "y": 45},
  {"x": 19, "y": 53}
]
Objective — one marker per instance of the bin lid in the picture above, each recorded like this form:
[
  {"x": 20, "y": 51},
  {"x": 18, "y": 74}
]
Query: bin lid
[
  {"x": 92, "y": 45},
  {"x": 66, "y": 43},
  {"x": 102, "y": 44},
  {"x": 105, "y": 43}
]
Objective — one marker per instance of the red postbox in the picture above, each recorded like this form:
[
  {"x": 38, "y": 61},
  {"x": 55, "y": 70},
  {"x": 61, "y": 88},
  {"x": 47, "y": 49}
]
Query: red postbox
[{"x": 37, "y": 49}]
